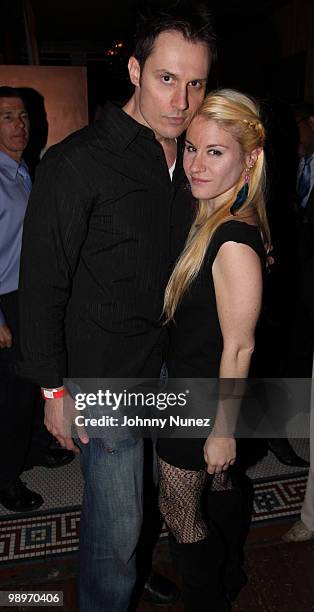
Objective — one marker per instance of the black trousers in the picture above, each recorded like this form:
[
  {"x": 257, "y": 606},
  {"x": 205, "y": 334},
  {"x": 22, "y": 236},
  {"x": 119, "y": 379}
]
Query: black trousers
[
  {"x": 299, "y": 359},
  {"x": 20, "y": 406}
]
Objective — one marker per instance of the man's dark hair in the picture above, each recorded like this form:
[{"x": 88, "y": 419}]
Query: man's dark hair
[
  {"x": 11, "y": 92},
  {"x": 193, "y": 22},
  {"x": 304, "y": 110}
]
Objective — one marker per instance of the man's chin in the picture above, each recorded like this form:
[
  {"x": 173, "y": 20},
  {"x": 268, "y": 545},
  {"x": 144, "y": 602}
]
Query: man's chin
[
  {"x": 174, "y": 131},
  {"x": 19, "y": 142}
]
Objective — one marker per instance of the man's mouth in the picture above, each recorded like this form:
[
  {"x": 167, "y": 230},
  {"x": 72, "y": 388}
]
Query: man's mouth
[{"x": 177, "y": 120}]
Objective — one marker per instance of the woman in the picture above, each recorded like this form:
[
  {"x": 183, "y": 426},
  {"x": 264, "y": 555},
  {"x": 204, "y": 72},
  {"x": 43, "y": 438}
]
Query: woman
[{"x": 214, "y": 295}]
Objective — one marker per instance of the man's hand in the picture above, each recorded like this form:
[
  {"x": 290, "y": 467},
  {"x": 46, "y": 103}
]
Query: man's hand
[
  {"x": 59, "y": 416},
  {"x": 219, "y": 454},
  {"x": 5, "y": 337}
]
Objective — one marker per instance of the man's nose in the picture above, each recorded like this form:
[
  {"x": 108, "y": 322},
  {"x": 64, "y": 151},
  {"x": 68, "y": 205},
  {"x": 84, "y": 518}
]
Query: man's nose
[
  {"x": 20, "y": 122},
  {"x": 180, "y": 99}
]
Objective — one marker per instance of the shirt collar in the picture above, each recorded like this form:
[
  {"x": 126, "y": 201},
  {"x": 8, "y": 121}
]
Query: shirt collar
[
  {"x": 123, "y": 127},
  {"x": 307, "y": 158},
  {"x": 124, "y": 130},
  {"x": 10, "y": 165}
]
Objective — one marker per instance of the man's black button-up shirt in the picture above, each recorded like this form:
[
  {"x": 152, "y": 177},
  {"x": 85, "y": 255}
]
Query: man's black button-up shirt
[{"x": 100, "y": 235}]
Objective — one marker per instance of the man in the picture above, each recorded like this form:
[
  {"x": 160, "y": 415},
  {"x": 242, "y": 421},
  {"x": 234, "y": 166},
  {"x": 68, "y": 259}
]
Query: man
[
  {"x": 106, "y": 219},
  {"x": 303, "y": 338},
  {"x": 305, "y": 189},
  {"x": 18, "y": 397},
  {"x": 305, "y": 183},
  {"x": 302, "y": 341}
]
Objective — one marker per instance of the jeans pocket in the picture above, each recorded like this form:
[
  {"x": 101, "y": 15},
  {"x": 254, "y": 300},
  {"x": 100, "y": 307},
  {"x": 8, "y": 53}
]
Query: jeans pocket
[{"x": 112, "y": 446}]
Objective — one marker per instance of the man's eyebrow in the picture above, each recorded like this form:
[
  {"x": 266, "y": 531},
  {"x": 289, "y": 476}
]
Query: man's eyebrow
[
  {"x": 166, "y": 71},
  {"x": 201, "y": 79}
]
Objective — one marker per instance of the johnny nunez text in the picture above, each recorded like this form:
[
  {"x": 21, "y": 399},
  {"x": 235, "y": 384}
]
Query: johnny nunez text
[{"x": 110, "y": 421}]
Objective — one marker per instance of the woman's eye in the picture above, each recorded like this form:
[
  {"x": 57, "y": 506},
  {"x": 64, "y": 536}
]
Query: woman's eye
[
  {"x": 190, "y": 149},
  {"x": 214, "y": 152},
  {"x": 166, "y": 78}
]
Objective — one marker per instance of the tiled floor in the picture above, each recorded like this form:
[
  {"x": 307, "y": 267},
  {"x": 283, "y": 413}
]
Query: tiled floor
[
  {"x": 270, "y": 466},
  {"x": 62, "y": 488},
  {"x": 54, "y": 528}
]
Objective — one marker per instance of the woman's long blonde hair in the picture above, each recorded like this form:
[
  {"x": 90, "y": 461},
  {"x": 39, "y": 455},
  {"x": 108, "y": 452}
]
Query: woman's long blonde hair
[{"x": 239, "y": 115}]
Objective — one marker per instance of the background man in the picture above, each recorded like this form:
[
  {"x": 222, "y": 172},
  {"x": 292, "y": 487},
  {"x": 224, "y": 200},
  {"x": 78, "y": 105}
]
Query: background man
[
  {"x": 300, "y": 356},
  {"x": 303, "y": 334},
  {"x": 105, "y": 221},
  {"x": 17, "y": 397}
]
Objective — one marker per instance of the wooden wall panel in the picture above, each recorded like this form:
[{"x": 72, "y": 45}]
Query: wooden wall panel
[{"x": 64, "y": 89}]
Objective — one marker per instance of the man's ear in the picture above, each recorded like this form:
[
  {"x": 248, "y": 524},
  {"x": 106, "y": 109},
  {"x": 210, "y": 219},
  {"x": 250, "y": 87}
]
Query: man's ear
[
  {"x": 311, "y": 122},
  {"x": 134, "y": 71}
]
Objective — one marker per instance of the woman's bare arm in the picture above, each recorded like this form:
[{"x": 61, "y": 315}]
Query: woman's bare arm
[{"x": 237, "y": 274}]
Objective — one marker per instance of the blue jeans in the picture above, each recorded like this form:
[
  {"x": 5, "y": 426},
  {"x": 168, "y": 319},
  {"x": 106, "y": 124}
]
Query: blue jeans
[{"x": 110, "y": 523}]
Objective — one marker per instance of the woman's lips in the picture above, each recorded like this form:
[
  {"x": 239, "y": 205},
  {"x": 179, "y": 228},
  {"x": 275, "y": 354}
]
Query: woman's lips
[{"x": 198, "y": 181}]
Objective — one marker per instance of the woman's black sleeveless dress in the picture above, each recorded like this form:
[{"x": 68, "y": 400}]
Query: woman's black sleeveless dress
[{"x": 196, "y": 341}]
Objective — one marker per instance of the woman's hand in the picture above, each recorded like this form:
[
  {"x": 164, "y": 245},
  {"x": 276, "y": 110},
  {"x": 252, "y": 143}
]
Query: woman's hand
[{"x": 219, "y": 454}]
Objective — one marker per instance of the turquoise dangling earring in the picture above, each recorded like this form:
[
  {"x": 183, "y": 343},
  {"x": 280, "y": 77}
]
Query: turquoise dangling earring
[{"x": 242, "y": 194}]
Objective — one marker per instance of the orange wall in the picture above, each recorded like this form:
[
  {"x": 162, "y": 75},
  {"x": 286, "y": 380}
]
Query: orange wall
[{"x": 64, "y": 89}]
